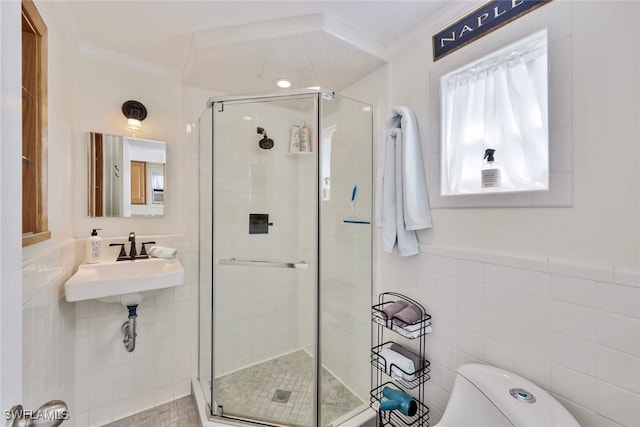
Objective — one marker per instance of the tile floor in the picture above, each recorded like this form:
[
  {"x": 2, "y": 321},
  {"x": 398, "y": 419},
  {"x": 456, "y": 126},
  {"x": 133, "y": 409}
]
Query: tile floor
[
  {"x": 249, "y": 393},
  {"x": 177, "y": 413}
]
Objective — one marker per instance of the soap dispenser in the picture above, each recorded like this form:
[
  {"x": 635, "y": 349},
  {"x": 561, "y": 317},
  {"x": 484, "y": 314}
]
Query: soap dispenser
[
  {"x": 490, "y": 173},
  {"x": 94, "y": 247}
]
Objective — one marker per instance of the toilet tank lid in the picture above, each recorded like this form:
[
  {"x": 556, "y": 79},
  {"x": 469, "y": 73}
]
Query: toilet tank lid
[{"x": 496, "y": 383}]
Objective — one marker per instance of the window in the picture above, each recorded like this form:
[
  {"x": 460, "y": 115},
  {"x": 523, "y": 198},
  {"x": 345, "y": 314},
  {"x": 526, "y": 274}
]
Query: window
[
  {"x": 34, "y": 122},
  {"x": 499, "y": 102}
]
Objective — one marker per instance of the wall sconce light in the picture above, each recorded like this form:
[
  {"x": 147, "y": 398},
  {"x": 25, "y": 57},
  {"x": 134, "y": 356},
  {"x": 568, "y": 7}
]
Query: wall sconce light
[{"x": 135, "y": 113}]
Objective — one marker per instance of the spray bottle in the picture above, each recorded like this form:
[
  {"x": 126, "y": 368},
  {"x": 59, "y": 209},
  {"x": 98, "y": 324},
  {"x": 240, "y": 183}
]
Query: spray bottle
[{"x": 490, "y": 174}]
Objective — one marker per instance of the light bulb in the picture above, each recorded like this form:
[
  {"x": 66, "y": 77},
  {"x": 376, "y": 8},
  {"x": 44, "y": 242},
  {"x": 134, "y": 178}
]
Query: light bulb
[{"x": 134, "y": 125}]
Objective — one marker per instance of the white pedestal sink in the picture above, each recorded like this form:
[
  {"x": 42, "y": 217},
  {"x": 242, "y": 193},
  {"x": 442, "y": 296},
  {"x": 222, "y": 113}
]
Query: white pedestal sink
[{"x": 126, "y": 282}]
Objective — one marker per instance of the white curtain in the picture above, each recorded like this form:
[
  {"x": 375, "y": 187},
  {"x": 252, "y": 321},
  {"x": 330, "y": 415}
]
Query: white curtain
[{"x": 500, "y": 103}]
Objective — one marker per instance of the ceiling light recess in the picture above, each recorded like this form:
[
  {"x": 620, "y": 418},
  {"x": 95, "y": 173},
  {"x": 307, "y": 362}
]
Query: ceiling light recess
[{"x": 283, "y": 83}]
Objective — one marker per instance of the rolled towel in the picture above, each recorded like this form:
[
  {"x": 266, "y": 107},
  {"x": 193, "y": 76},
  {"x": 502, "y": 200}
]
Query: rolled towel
[
  {"x": 394, "y": 361},
  {"x": 417, "y": 360},
  {"x": 162, "y": 252},
  {"x": 393, "y": 308},
  {"x": 408, "y": 315}
]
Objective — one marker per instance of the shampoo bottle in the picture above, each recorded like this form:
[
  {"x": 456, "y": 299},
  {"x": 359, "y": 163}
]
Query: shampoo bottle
[
  {"x": 490, "y": 174},
  {"x": 94, "y": 247},
  {"x": 305, "y": 138},
  {"x": 294, "y": 141}
]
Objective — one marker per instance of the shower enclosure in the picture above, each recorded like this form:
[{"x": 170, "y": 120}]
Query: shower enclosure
[{"x": 285, "y": 258}]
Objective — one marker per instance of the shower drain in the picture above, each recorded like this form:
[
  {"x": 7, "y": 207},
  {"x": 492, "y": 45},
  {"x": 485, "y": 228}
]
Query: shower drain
[{"x": 281, "y": 396}]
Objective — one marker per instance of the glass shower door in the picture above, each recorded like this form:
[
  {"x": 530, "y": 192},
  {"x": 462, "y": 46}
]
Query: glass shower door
[
  {"x": 264, "y": 262},
  {"x": 205, "y": 291},
  {"x": 346, "y": 200}
]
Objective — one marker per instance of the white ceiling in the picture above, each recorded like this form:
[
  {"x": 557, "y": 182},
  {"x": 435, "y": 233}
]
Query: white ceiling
[{"x": 243, "y": 46}]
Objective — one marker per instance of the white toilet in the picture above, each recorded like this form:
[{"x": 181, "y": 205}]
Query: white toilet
[{"x": 486, "y": 396}]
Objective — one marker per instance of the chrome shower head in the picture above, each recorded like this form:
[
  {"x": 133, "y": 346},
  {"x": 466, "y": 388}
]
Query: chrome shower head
[{"x": 265, "y": 143}]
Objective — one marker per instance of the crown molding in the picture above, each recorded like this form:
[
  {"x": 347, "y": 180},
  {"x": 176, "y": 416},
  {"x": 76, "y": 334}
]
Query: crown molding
[
  {"x": 448, "y": 13},
  {"x": 127, "y": 61}
]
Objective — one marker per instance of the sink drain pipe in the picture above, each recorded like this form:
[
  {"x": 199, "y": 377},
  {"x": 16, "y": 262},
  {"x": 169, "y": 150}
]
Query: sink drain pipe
[{"x": 129, "y": 329}]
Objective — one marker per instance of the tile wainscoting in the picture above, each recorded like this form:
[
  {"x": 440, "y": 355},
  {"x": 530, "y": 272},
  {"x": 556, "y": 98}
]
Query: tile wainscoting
[
  {"x": 74, "y": 351},
  {"x": 572, "y": 329},
  {"x": 110, "y": 383},
  {"x": 48, "y": 324}
]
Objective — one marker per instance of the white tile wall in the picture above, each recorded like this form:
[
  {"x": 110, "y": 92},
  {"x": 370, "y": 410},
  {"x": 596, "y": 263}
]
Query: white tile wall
[
  {"x": 48, "y": 325},
  {"x": 572, "y": 329},
  {"x": 74, "y": 351},
  {"x": 257, "y": 314},
  {"x": 111, "y": 383}
]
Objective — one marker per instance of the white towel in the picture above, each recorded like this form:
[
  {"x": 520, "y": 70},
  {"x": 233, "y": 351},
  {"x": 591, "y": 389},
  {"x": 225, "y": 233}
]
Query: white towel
[
  {"x": 162, "y": 252},
  {"x": 403, "y": 202},
  {"x": 398, "y": 361}
]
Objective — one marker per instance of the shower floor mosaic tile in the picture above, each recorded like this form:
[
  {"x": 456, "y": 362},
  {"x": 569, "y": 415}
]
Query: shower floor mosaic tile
[
  {"x": 177, "y": 413},
  {"x": 249, "y": 393}
]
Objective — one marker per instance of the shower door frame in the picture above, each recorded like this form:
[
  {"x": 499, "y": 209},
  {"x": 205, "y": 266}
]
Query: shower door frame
[{"x": 219, "y": 102}]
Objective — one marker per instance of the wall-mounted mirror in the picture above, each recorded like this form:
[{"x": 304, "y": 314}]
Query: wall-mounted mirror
[{"x": 126, "y": 176}]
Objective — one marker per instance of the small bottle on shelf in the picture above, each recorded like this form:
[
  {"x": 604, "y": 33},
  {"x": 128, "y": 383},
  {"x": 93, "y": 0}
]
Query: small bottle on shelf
[{"x": 305, "y": 139}]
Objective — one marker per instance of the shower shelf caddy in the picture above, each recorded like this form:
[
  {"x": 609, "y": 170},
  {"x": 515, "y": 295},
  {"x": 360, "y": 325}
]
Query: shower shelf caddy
[{"x": 412, "y": 382}]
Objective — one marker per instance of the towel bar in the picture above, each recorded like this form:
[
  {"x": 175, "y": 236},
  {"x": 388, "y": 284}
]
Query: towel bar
[{"x": 255, "y": 263}]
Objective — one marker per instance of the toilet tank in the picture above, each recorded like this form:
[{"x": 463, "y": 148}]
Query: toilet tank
[{"x": 484, "y": 395}]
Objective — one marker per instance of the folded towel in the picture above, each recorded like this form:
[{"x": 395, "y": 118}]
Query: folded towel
[
  {"x": 394, "y": 361},
  {"x": 391, "y": 309},
  {"x": 162, "y": 252},
  {"x": 408, "y": 315},
  {"x": 417, "y": 361},
  {"x": 402, "y": 201}
]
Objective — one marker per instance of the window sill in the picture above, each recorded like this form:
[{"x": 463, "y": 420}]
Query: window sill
[{"x": 32, "y": 239}]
